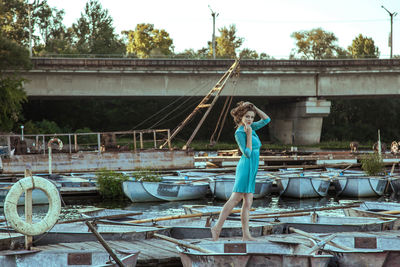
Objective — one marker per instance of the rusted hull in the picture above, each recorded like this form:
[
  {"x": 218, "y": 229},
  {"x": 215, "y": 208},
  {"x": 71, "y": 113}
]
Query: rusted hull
[{"x": 92, "y": 161}]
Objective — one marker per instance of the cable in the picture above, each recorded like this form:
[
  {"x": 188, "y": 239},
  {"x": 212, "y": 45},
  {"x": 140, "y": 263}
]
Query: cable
[
  {"x": 173, "y": 102},
  {"x": 155, "y": 124}
]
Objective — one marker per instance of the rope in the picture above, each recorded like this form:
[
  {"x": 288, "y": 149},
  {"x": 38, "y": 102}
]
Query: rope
[
  {"x": 173, "y": 102},
  {"x": 225, "y": 111},
  {"x": 172, "y": 111}
]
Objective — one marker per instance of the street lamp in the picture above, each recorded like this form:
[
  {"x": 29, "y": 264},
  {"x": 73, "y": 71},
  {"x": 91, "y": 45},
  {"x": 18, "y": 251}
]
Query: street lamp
[
  {"x": 391, "y": 30},
  {"x": 214, "y": 15}
]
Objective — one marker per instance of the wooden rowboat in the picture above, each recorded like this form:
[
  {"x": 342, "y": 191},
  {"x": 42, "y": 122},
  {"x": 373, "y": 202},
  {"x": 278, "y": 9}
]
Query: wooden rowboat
[{"x": 164, "y": 191}]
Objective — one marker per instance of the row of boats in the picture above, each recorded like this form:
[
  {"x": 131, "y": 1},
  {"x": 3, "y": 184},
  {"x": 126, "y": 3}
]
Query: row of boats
[
  {"x": 284, "y": 238},
  {"x": 293, "y": 183},
  {"x": 189, "y": 185}
]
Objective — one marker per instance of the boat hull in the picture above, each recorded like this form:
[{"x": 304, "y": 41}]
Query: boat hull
[
  {"x": 360, "y": 186},
  {"x": 250, "y": 254},
  {"x": 66, "y": 257},
  {"x": 375, "y": 209},
  {"x": 163, "y": 191},
  {"x": 303, "y": 187},
  {"x": 222, "y": 188}
]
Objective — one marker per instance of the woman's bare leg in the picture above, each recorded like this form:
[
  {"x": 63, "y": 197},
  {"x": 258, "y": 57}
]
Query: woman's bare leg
[
  {"x": 244, "y": 215},
  {"x": 226, "y": 210}
]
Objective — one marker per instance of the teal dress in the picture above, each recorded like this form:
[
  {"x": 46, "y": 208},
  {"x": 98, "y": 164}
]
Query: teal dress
[{"x": 246, "y": 171}]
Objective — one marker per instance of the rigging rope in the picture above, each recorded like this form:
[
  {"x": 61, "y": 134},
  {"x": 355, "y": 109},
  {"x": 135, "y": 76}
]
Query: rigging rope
[
  {"x": 224, "y": 113},
  {"x": 197, "y": 88},
  {"x": 175, "y": 109}
]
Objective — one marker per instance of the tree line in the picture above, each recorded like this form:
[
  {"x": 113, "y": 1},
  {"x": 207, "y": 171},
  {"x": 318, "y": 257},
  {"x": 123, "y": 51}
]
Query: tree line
[{"x": 93, "y": 35}]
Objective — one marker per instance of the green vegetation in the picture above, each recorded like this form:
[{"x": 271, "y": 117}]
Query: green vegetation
[
  {"x": 147, "y": 175},
  {"x": 372, "y": 164},
  {"x": 110, "y": 184}
]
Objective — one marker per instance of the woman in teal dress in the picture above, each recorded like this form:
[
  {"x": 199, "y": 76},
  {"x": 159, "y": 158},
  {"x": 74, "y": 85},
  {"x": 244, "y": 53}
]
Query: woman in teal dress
[{"x": 246, "y": 171}]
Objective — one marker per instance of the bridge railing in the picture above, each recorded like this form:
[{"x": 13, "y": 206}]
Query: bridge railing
[{"x": 99, "y": 142}]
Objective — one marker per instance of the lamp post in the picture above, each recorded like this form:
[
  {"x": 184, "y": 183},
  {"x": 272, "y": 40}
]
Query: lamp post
[
  {"x": 214, "y": 15},
  {"x": 391, "y": 30}
]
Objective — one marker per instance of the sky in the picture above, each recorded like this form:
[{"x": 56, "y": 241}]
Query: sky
[{"x": 265, "y": 25}]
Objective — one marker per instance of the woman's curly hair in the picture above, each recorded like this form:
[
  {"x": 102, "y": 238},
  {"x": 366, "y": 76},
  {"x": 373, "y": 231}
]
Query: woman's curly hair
[{"x": 241, "y": 109}]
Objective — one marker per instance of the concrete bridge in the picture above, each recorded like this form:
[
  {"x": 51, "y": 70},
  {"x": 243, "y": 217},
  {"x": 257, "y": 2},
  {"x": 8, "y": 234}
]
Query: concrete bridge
[{"x": 304, "y": 86}]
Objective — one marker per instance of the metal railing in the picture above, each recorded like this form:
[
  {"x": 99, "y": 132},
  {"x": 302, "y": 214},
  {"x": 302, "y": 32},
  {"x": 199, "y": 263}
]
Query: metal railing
[{"x": 76, "y": 142}]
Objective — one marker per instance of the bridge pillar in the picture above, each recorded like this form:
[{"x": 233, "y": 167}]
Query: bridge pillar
[{"x": 299, "y": 123}]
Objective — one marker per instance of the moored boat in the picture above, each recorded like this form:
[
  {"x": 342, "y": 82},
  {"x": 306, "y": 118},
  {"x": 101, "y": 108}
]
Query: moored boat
[
  {"x": 366, "y": 249},
  {"x": 78, "y": 254},
  {"x": 303, "y": 185},
  {"x": 222, "y": 186},
  {"x": 377, "y": 210},
  {"x": 355, "y": 185},
  {"x": 38, "y": 196},
  {"x": 139, "y": 191},
  {"x": 313, "y": 223},
  {"x": 250, "y": 253}
]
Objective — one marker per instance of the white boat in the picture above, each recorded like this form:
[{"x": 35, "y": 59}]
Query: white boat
[
  {"x": 250, "y": 253},
  {"x": 38, "y": 196},
  {"x": 164, "y": 191},
  {"x": 302, "y": 185},
  {"x": 366, "y": 249},
  {"x": 377, "y": 210},
  {"x": 73, "y": 254},
  {"x": 222, "y": 186},
  {"x": 313, "y": 223},
  {"x": 360, "y": 185}
]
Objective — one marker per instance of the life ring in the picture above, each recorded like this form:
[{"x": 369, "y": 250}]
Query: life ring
[
  {"x": 55, "y": 139},
  {"x": 11, "y": 200}
]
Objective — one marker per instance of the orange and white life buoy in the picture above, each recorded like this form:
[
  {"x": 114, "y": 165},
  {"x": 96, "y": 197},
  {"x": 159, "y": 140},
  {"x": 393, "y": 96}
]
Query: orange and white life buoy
[
  {"x": 11, "y": 200},
  {"x": 55, "y": 139}
]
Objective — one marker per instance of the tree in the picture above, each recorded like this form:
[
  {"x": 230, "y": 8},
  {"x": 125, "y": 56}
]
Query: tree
[
  {"x": 363, "y": 47},
  {"x": 248, "y": 54},
  {"x": 93, "y": 33},
  {"x": 14, "y": 21},
  {"x": 316, "y": 44},
  {"x": 146, "y": 41},
  {"x": 227, "y": 43},
  {"x": 12, "y": 57}
]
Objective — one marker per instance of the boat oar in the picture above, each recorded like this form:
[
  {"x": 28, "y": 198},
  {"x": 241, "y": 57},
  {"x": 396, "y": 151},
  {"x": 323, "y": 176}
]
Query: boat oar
[
  {"x": 300, "y": 232},
  {"x": 181, "y": 216},
  {"x": 312, "y": 209},
  {"x": 104, "y": 244},
  {"x": 101, "y": 217},
  {"x": 279, "y": 215},
  {"x": 184, "y": 244},
  {"x": 321, "y": 244},
  {"x": 393, "y": 212}
]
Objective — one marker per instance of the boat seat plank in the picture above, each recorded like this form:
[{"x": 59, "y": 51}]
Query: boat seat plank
[
  {"x": 162, "y": 244},
  {"x": 156, "y": 252}
]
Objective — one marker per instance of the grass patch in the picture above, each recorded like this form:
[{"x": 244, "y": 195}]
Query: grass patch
[
  {"x": 372, "y": 164},
  {"x": 147, "y": 175},
  {"x": 110, "y": 184}
]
